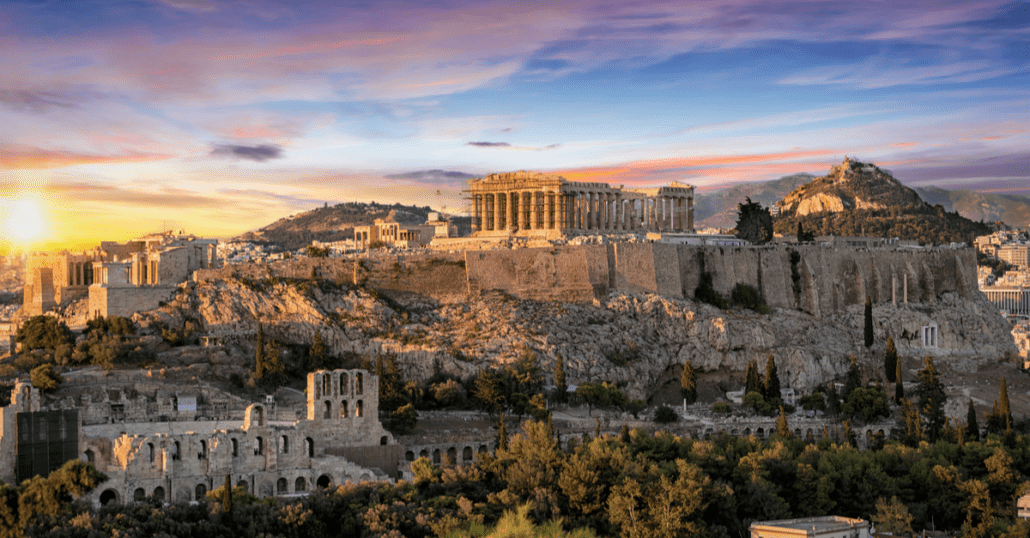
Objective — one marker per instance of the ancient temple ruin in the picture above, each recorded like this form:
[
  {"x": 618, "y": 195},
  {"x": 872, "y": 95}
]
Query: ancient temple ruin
[
  {"x": 535, "y": 204},
  {"x": 183, "y": 460}
]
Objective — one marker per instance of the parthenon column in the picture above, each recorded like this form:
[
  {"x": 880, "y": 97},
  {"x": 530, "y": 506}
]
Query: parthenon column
[
  {"x": 609, "y": 211},
  {"x": 498, "y": 217},
  {"x": 671, "y": 210},
  {"x": 619, "y": 212},
  {"x": 595, "y": 206},
  {"x": 550, "y": 222},
  {"x": 475, "y": 213},
  {"x": 534, "y": 208}
]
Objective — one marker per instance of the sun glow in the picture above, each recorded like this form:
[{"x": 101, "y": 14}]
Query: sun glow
[{"x": 24, "y": 221}]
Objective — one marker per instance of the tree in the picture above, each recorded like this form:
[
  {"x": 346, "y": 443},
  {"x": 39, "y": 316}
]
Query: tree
[
  {"x": 45, "y": 378},
  {"x": 754, "y": 223},
  {"x": 832, "y": 400},
  {"x": 772, "y": 380},
  {"x": 803, "y": 236},
  {"x": 931, "y": 400},
  {"x": 972, "y": 428},
  {"x": 890, "y": 360},
  {"x": 853, "y": 379},
  {"x": 899, "y": 388},
  {"x": 600, "y": 395},
  {"x": 782, "y": 427},
  {"x": 316, "y": 252},
  {"x": 318, "y": 352},
  {"x": 562, "y": 387},
  {"x": 893, "y": 517},
  {"x": 1003, "y": 405},
  {"x": 867, "y": 404},
  {"x": 502, "y": 435},
  {"x": 688, "y": 383},
  {"x": 259, "y": 354},
  {"x": 868, "y": 321},
  {"x": 274, "y": 369},
  {"x": 44, "y": 332},
  {"x": 404, "y": 418},
  {"x": 752, "y": 383},
  {"x": 665, "y": 414}
]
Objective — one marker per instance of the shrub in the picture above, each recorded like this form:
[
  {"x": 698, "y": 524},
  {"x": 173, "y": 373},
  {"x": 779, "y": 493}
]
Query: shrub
[
  {"x": 45, "y": 378},
  {"x": 749, "y": 297},
  {"x": 44, "y": 332},
  {"x": 665, "y": 415},
  {"x": 404, "y": 418},
  {"x": 720, "y": 407}
]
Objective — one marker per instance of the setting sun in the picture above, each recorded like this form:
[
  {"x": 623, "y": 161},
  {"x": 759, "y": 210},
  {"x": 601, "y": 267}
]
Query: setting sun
[{"x": 24, "y": 221}]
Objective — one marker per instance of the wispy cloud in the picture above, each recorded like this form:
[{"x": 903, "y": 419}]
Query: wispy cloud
[
  {"x": 489, "y": 144},
  {"x": 27, "y": 157},
  {"x": 35, "y": 101},
  {"x": 259, "y": 153},
  {"x": 882, "y": 73}
]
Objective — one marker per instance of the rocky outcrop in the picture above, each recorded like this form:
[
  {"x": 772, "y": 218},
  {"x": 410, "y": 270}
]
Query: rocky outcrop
[
  {"x": 850, "y": 185},
  {"x": 628, "y": 338}
]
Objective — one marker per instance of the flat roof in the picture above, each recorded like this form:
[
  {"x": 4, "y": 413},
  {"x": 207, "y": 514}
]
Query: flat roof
[{"x": 822, "y": 523}]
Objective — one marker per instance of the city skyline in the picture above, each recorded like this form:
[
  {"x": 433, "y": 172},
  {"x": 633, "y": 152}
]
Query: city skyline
[{"x": 224, "y": 116}]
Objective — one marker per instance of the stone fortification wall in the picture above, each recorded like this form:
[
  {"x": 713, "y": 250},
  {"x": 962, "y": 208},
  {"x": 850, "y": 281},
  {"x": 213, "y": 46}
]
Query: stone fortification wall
[
  {"x": 125, "y": 301},
  {"x": 815, "y": 279}
]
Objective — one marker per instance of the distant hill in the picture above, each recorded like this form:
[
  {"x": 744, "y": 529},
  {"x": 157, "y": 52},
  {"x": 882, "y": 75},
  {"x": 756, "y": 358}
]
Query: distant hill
[
  {"x": 718, "y": 209},
  {"x": 858, "y": 198},
  {"x": 1011, "y": 209},
  {"x": 335, "y": 223}
]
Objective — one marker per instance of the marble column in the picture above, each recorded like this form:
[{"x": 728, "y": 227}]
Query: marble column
[
  {"x": 550, "y": 222},
  {"x": 475, "y": 213},
  {"x": 498, "y": 217},
  {"x": 534, "y": 208},
  {"x": 619, "y": 224}
]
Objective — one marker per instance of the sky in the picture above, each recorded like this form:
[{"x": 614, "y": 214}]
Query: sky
[{"x": 124, "y": 117}]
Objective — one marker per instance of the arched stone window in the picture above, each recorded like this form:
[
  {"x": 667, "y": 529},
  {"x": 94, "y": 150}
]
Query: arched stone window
[
  {"x": 436, "y": 456},
  {"x": 300, "y": 484},
  {"x": 328, "y": 409},
  {"x": 344, "y": 384},
  {"x": 202, "y": 453},
  {"x": 343, "y": 409},
  {"x": 235, "y": 447},
  {"x": 325, "y": 385},
  {"x": 150, "y": 452},
  {"x": 259, "y": 446},
  {"x": 324, "y": 481},
  {"x": 139, "y": 494},
  {"x": 109, "y": 496},
  {"x": 409, "y": 456},
  {"x": 452, "y": 455},
  {"x": 309, "y": 447},
  {"x": 359, "y": 409},
  {"x": 199, "y": 492},
  {"x": 423, "y": 454},
  {"x": 175, "y": 450},
  {"x": 285, "y": 444},
  {"x": 280, "y": 486},
  {"x": 383, "y": 440},
  {"x": 466, "y": 455},
  {"x": 243, "y": 484},
  {"x": 483, "y": 449},
  {"x": 359, "y": 384},
  {"x": 159, "y": 494},
  {"x": 91, "y": 457}
]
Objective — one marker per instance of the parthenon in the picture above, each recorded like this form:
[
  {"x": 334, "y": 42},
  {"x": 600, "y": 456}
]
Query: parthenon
[{"x": 531, "y": 203}]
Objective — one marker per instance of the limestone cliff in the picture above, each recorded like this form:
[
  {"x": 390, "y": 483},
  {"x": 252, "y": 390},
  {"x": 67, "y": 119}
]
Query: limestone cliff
[{"x": 628, "y": 338}]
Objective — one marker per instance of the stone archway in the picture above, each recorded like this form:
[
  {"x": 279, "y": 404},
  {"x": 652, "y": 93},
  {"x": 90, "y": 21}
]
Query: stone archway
[
  {"x": 109, "y": 496},
  {"x": 324, "y": 481}
]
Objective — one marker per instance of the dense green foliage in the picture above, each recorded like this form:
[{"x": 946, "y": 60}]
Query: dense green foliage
[
  {"x": 41, "y": 499},
  {"x": 561, "y": 386},
  {"x": 688, "y": 383},
  {"x": 747, "y": 296},
  {"x": 45, "y": 378},
  {"x": 890, "y": 360},
  {"x": 754, "y": 222},
  {"x": 930, "y": 225},
  {"x": 665, "y": 414},
  {"x": 634, "y": 484}
]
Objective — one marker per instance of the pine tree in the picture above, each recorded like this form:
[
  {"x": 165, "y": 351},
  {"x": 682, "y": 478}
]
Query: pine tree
[
  {"x": 559, "y": 380},
  {"x": 972, "y": 428},
  {"x": 259, "y": 354},
  {"x": 782, "y": 428},
  {"x": 868, "y": 321},
  {"x": 227, "y": 495},
  {"x": 995, "y": 423},
  {"x": 832, "y": 400},
  {"x": 1003, "y": 405},
  {"x": 772, "y": 380},
  {"x": 849, "y": 434},
  {"x": 688, "y": 383},
  {"x": 890, "y": 360},
  {"x": 931, "y": 400},
  {"x": 624, "y": 434},
  {"x": 752, "y": 383},
  {"x": 899, "y": 389}
]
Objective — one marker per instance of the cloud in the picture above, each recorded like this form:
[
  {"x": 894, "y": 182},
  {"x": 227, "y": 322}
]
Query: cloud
[
  {"x": 905, "y": 144},
  {"x": 27, "y": 157},
  {"x": 35, "y": 101},
  {"x": 489, "y": 144},
  {"x": 882, "y": 73},
  {"x": 259, "y": 153},
  {"x": 433, "y": 175}
]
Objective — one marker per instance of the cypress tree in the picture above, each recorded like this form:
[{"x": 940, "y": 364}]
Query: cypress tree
[
  {"x": 899, "y": 389},
  {"x": 502, "y": 435},
  {"x": 772, "y": 380},
  {"x": 931, "y": 400},
  {"x": 782, "y": 428},
  {"x": 624, "y": 434},
  {"x": 972, "y": 428},
  {"x": 853, "y": 380},
  {"x": 227, "y": 495},
  {"x": 688, "y": 383},
  {"x": 752, "y": 383},
  {"x": 1003, "y": 405},
  {"x": 832, "y": 400},
  {"x": 868, "y": 321},
  {"x": 259, "y": 354},
  {"x": 317, "y": 352},
  {"x": 890, "y": 360},
  {"x": 559, "y": 380}
]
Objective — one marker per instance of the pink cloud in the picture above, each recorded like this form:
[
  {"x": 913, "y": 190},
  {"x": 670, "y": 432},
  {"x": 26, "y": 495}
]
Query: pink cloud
[{"x": 24, "y": 157}]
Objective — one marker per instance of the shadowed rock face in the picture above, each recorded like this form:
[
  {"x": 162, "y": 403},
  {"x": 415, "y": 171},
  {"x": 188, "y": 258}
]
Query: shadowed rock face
[{"x": 850, "y": 185}]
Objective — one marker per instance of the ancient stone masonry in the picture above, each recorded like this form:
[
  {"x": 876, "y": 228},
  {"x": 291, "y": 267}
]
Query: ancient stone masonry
[
  {"x": 530, "y": 203},
  {"x": 119, "y": 278},
  {"x": 182, "y": 461}
]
